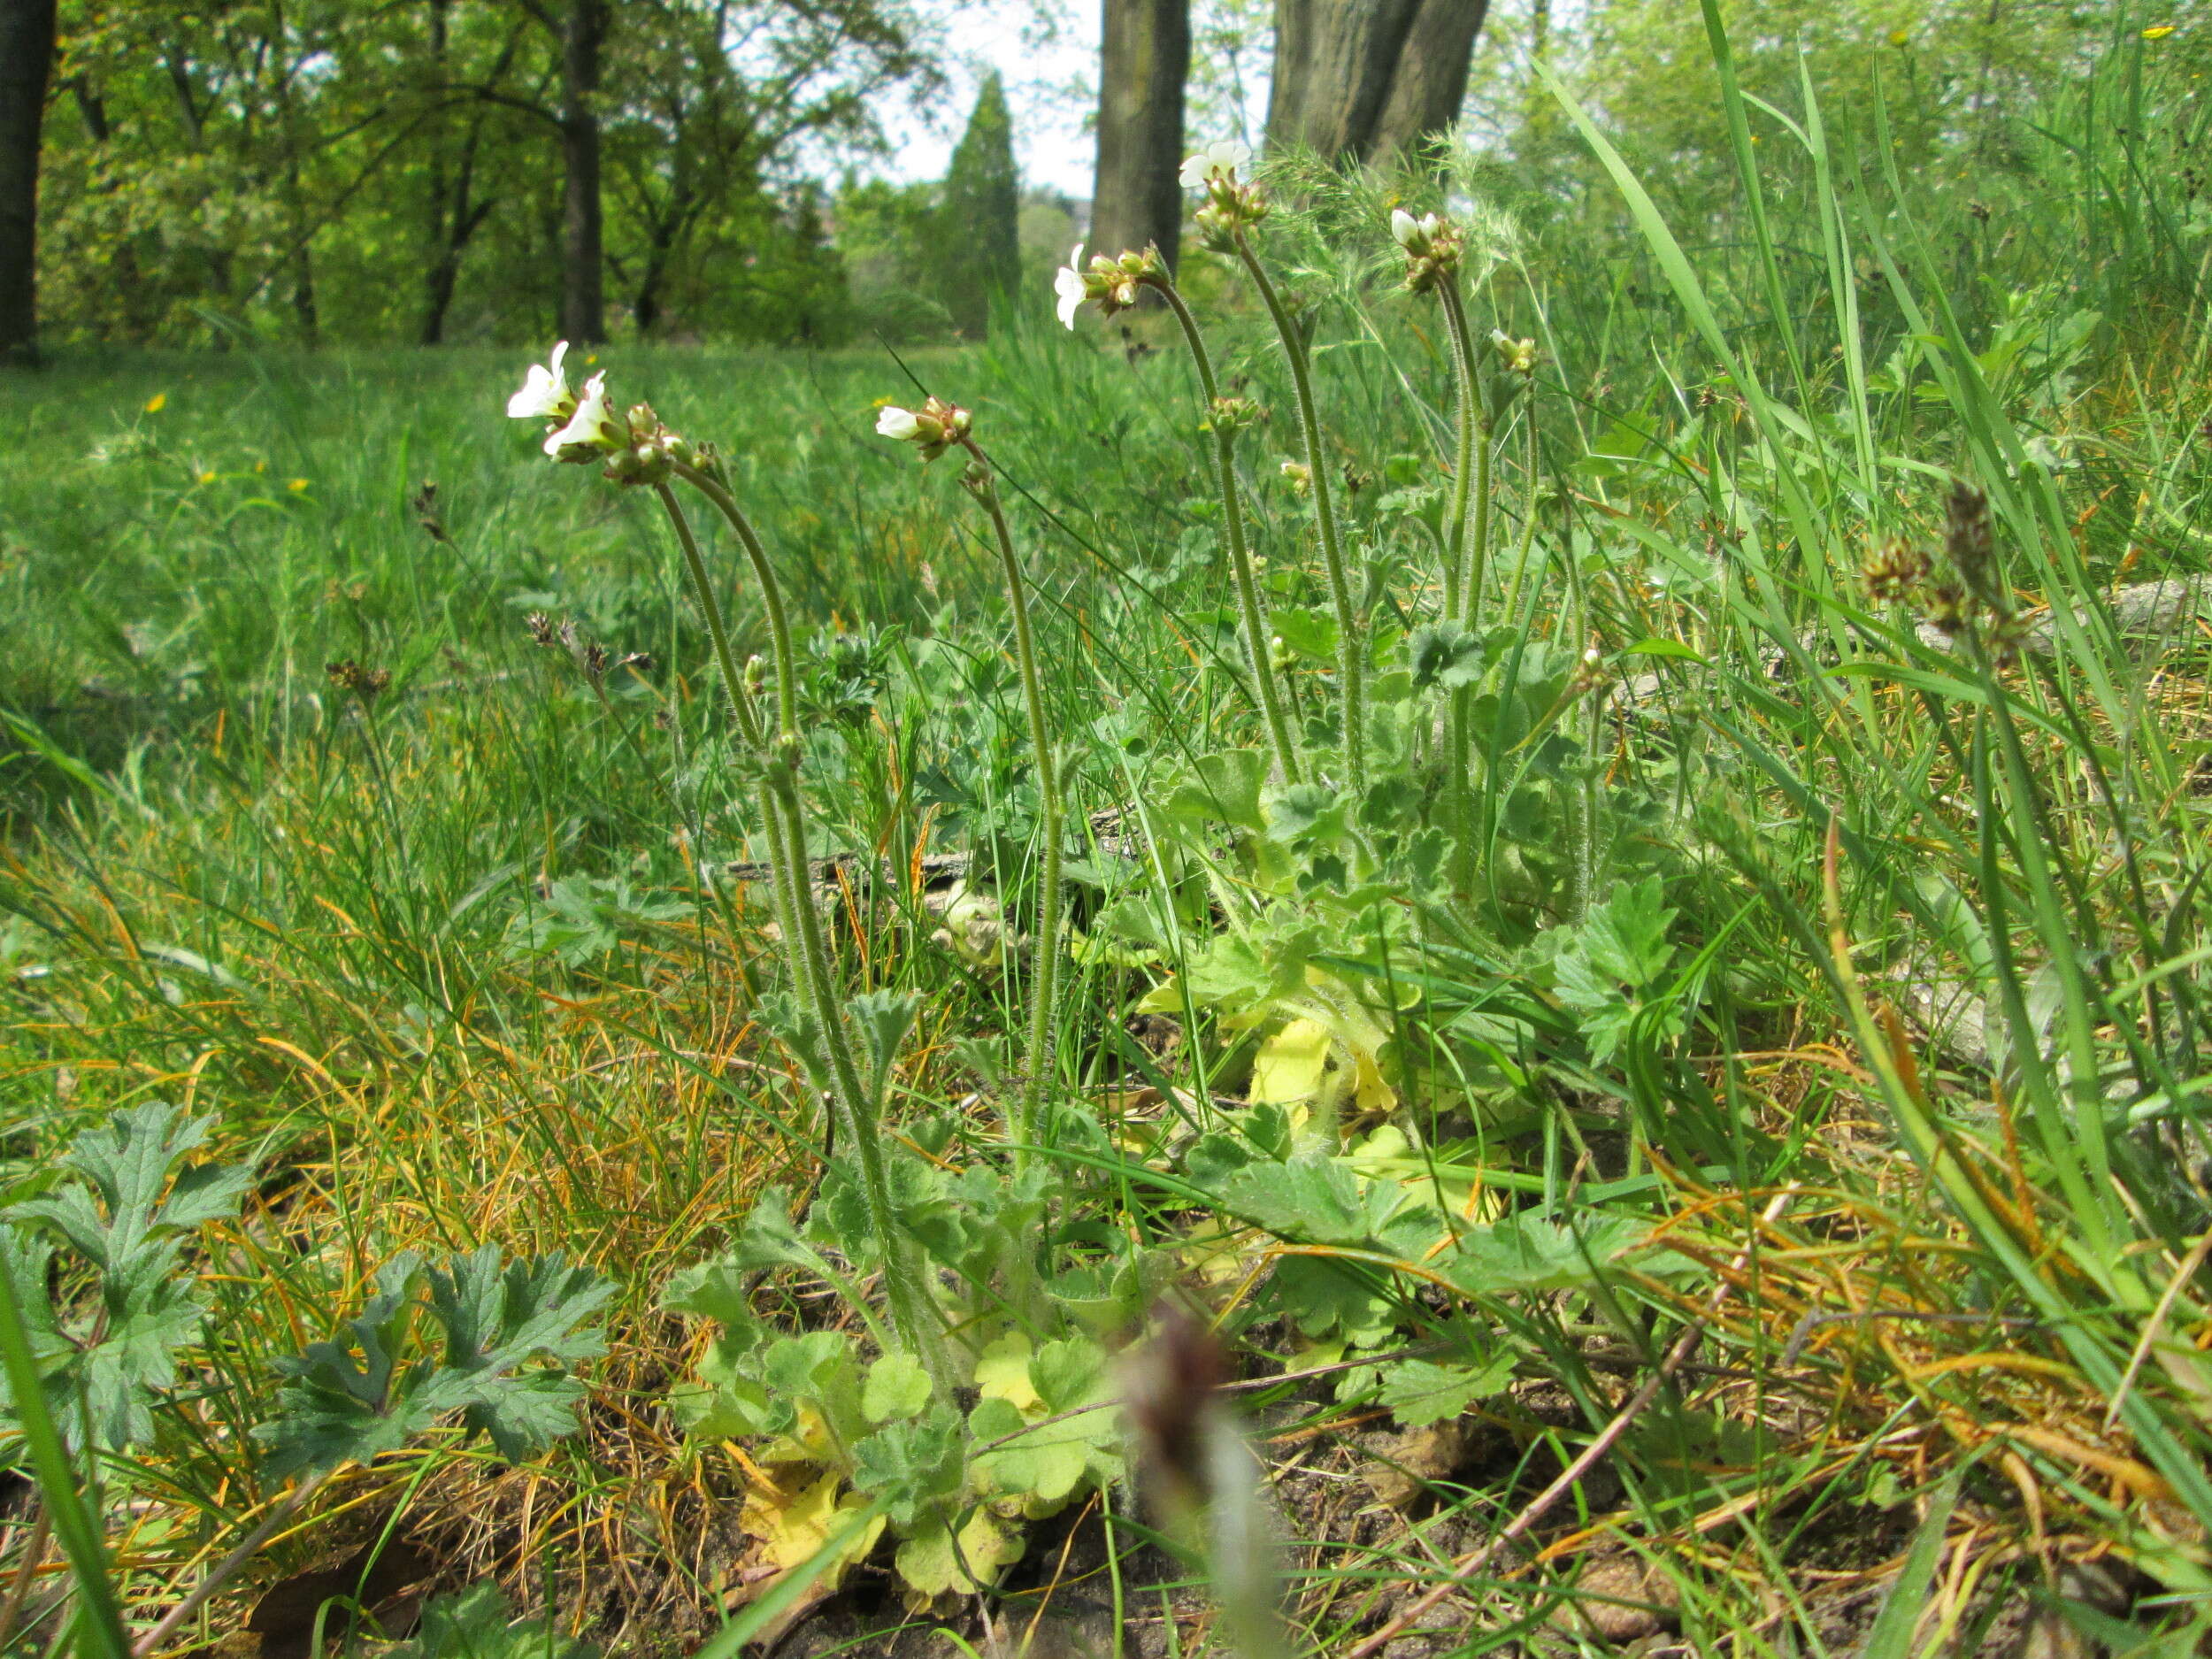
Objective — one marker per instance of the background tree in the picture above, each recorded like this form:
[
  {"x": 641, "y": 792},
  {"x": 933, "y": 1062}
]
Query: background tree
[
  {"x": 27, "y": 57},
  {"x": 1144, "y": 60},
  {"x": 1232, "y": 42},
  {"x": 713, "y": 103},
  {"x": 980, "y": 218},
  {"x": 1368, "y": 79},
  {"x": 582, "y": 26}
]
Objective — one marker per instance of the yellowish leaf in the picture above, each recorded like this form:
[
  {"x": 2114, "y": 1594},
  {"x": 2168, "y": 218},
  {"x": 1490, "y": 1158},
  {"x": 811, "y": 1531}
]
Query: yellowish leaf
[
  {"x": 1001, "y": 1372},
  {"x": 1290, "y": 1064},
  {"x": 794, "y": 1526},
  {"x": 932, "y": 1567}
]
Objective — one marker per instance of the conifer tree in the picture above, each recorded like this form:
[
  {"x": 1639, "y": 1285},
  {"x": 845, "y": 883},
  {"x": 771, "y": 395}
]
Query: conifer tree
[{"x": 979, "y": 235}]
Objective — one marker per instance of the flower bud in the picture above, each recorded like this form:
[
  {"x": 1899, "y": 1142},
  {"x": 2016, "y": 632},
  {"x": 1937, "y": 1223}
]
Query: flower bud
[
  {"x": 1432, "y": 244},
  {"x": 934, "y": 428},
  {"x": 1519, "y": 356},
  {"x": 1232, "y": 415}
]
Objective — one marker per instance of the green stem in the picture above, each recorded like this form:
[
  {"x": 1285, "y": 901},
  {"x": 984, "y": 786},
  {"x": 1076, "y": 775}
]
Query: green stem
[
  {"x": 1582, "y": 874},
  {"x": 788, "y": 872},
  {"x": 1463, "y": 587},
  {"x": 1473, "y": 417},
  {"x": 771, "y": 601},
  {"x": 702, "y": 585},
  {"x": 805, "y": 946},
  {"x": 1351, "y": 637},
  {"x": 1044, "y": 992},
  {"x": 904, "y": 1291},
  {"x": 1259, "y": 635},
  {"x": 1463, "y": 461},
  {"x": 1528, "y": 520}
]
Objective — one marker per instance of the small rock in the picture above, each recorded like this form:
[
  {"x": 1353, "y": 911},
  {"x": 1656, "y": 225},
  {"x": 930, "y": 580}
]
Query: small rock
[
  {"x": 1620, "y": 1598},
  {"x": 1405, "y": 1464}
]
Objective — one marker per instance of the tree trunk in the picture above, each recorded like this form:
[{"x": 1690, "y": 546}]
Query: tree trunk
[
  {"x": 1368, "y": 79},
  {"x": 26, "y": 60},
  {"x": 1431, "y": 84},
  {"x": 1137, "y": 197},
  {"x": 583, "y": 289}
]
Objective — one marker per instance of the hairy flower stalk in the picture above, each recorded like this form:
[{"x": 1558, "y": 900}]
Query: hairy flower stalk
[
  {"x": 1351, "y": 631},
  {"x": 637, "y": 450},
  {"x": 1433, "y": 248},
  {"x": 934, "y": 428},
  {"x": 1111, "y": 285},
  {"x": 805, "y": 944},
  {"x": 1233, "y": 209}
]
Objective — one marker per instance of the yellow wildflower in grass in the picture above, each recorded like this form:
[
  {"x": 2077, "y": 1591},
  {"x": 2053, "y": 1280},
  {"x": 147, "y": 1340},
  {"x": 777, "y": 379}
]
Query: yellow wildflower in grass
[
  {"x": 206, "y": 477},
  {"x": 2158, "y": 31},
  {"x": 295, "y": 485},
  {"x": 157, "y": 403},
  {"x": 1898, "y": 37}
]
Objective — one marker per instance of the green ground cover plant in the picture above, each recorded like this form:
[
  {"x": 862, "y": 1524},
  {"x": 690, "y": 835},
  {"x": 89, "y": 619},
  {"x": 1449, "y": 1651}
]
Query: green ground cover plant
[{"x": 1496, "y": 946}]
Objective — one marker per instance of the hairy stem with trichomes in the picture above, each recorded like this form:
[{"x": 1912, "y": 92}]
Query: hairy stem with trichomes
[
  {"x": 783, "y": 814},
  {"x": 1258, "y": 632},
  {"x": 1351, "y": 635},
  {"x": 1045, "y": 972},
  {"x": 1466, "y": 559}
]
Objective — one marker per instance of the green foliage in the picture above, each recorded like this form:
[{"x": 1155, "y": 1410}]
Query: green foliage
[
  {"x": 477, "y": 1624},
  {"x": 977, "y": 225},
  {"x": 326, "y": 172},
  {"x": 843, "y": 1432},
  {"x": 127, "y": 1206},
  {"x": 1605, "y": 969},
  {"x": 351, "y": 1400}
]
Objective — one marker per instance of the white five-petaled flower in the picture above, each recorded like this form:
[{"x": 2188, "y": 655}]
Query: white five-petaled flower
[
  {"x": 901, "y": 424},
  {"x": 544, "y": 395},
  {"x": 1067, "y": 283},
  {"x": 1220, "y": 159},
  {"x": 595, "y": 427}
]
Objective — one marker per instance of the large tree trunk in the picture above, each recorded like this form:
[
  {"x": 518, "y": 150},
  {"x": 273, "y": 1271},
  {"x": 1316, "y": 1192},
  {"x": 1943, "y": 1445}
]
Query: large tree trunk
[
  {"x": 26, "y": 60},
  {"x": 583, "y": 292},
  {"x": 1137, "y": 197},
  {"x": 1370, "y": 79}
]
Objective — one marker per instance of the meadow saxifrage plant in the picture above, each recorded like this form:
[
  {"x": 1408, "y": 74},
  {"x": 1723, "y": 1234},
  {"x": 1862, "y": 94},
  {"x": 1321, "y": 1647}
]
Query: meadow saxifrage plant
[
  {"x": 932, "y": 429},
  {"x": 635, "y": 449},
  {"x": 1111, "y": 285},
  {"x": 1234, "y": 209},
  {"x": 1435, "y": 247}
]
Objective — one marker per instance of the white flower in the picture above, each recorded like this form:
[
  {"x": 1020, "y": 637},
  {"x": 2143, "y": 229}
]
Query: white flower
[
  {"x": 544, "y": 394},
  {"x": 594, "y": 426},
  {"x": 1067, "y": 282},
  {"x": 1218, "y": 160},
  {"x": 901, "y": 424},
  {"x": 1417, "y": 236}
]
